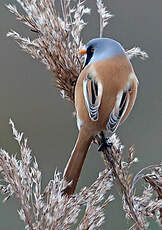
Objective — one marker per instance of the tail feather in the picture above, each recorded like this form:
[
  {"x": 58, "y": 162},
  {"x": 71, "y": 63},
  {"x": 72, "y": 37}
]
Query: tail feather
[{"x": 75, "y": 163}]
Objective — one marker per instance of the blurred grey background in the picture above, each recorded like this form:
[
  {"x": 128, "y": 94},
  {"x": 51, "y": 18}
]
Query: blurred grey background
[{"x": 29, "y": 97}]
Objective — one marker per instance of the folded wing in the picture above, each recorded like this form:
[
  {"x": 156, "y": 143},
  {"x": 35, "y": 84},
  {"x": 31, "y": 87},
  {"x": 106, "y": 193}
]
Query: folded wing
[
  {"x": 119, "y": 110},
  {"x": 92, "y": 90}
]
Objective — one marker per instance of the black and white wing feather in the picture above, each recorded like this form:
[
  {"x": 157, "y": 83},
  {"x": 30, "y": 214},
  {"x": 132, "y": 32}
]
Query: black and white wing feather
[
  {"x": 118, "y": 111},
  {"x": 92, "y": 90}
]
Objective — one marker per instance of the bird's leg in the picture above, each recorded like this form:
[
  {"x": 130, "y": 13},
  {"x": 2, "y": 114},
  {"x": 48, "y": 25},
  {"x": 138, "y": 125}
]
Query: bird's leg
[
  {"x": 103, "y": 144},
  {"x": 106, "y": 143}
]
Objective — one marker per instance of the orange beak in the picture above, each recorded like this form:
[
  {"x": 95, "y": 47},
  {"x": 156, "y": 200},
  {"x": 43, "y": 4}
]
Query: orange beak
[{"x": 82, "y": 52}]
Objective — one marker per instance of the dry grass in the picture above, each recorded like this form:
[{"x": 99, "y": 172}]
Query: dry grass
[
  {"x": 59, "y": 37},
  {"x": 50, "y": 209},
  {"x": 57, "y": 44}
]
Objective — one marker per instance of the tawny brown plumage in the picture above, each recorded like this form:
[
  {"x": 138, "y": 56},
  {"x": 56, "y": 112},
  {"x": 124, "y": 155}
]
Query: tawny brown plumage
[{"x": 114, "y": 75}]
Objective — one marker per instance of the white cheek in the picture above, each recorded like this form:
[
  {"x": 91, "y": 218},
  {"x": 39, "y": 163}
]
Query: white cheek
[{"x": 79, "y": 122}]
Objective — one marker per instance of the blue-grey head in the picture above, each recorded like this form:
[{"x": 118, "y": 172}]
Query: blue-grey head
[{"x": 99, "y": 49}]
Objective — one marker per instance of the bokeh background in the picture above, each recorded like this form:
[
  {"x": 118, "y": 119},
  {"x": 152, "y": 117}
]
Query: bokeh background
[{"x": 29, "y": 97}]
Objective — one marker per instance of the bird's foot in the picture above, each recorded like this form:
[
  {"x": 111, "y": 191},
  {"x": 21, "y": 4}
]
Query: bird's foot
[
  {"x": 105, "y": 144},
  {"x": 102, "y": 146},
  {"x": 108, "y": 142}
]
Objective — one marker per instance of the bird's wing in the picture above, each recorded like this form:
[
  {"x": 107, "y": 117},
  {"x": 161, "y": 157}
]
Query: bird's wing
[
  {"x": 92, "y": 90},
  {"x": 119, "y": 110}
]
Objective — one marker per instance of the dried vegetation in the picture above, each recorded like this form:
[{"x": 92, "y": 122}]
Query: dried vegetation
[{"x": 57, "y": 44}]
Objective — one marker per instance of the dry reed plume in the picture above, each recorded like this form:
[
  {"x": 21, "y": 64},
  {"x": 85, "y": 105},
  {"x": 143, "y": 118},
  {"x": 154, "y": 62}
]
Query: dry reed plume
[{"x": 57, "y": 44}]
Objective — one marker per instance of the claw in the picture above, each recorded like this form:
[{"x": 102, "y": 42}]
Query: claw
[
  {"x": 108, "y": 142},
  {"x": 104, "y": 145}
]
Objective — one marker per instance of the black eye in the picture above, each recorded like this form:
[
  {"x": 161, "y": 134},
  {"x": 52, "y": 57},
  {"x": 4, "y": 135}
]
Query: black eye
[{"x": 90, "y": 51}]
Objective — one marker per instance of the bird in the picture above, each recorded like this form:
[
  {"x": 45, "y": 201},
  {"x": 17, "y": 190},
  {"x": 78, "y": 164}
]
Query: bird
[{"x": 105, "y": 93}]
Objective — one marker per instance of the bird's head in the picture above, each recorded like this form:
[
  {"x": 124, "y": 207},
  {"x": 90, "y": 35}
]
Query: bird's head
[{"x": 99, "y": 49}]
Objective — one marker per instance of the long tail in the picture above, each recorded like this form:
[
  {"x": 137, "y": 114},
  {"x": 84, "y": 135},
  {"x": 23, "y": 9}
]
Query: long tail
[{"x": 75, "y": 163}]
